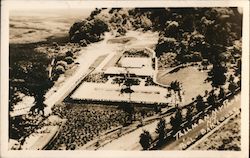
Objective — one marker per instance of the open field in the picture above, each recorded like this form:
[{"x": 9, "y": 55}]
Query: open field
[
  {"x": 42, "y": 26},
  {"x": 192, "y": 81}
]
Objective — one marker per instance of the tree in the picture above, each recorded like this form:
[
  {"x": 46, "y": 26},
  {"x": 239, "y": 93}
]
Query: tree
[
  {"x": 212, "y": 100},
  {"x": 231, "y": 78},
  {"x": 176, "y": 87},
  {"x": 69, "y": 54},
  {"x": 221, "y": 93},
  {"x": 90, "y": 30},
  {"x": 238, "y": 68},
  {"x": 69, "y": 60},
  {"x": 165, "y": 45},
  {"x": 39, "y": 98},
  {"x": 59, "y": 70},
  {"x": 14, "y": 98},
  {"x": 161, "y": 130},
  {"x": 128, "y": 108},
  {"x": 99, "y": 27},
  {"x": 159, "y": 16},
  {"x": 189, "y": 115},
  {"x": 232, "y": 87},
  {"x": 145, "y": 140},
  {"x": 94, "y": 13},
  {"x": 200, "y": 105},
  {"x": 118, "y": 80},
  {"x": 217, "y": 75},
  {"x": 176, "y": 120},
  {"x": 29, "y": 75},
  {"x": 127, "y": 86},
  {"x": 172, "y": 29},
  {"x": 121, "y": 31}
]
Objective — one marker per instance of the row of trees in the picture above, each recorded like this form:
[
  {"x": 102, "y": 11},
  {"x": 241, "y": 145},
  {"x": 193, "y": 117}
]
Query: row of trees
[
  {"x": 179, "y": 117},
  {"x": 211, "y": 100}
]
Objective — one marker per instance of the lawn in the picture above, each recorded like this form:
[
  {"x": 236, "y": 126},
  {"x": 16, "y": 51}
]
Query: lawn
[{"x": 191, "y": 78}]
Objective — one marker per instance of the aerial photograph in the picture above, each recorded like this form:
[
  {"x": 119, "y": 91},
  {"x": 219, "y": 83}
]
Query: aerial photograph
[{"x": 126, "y": 79}]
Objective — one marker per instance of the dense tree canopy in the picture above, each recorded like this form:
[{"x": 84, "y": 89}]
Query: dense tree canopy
[
  {"x": 191, "y": 33},
  {"x": 91, "y": 30}
]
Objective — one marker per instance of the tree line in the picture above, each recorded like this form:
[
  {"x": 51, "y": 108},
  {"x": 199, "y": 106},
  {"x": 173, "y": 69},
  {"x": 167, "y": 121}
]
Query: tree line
[{"x": 178, "y": 121}]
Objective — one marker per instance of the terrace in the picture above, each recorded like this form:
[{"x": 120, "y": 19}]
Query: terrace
[
  {"x": 112, "y": 92},
  {"x": 135, "y": 64}
]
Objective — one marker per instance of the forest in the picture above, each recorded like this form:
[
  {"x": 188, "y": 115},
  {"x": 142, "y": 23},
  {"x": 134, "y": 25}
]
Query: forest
[{"x": 185, "y": 35}]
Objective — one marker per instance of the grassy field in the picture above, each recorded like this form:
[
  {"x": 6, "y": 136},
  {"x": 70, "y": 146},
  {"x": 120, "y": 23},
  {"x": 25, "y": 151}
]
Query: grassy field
[
  {"x": 191, "y": 78},
  {"x": 226, "y": 138}
]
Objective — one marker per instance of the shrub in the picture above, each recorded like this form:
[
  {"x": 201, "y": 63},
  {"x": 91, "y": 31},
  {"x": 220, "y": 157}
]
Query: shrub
[
  {"x": 62, "y": 63},
  {"x": 59, "y": 69},
  {"x": 232, "y": 87},
  {"x": 121, "y": 31},
  {"x": 69, "y": 60},
  {"x": 83, "y": 43},
  {"x": 69, "y": 54},
  {"x": 196, "y": 56}
]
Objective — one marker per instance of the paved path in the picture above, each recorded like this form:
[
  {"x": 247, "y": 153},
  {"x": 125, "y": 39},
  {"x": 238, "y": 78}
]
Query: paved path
[{"x": 85, "y": 60}]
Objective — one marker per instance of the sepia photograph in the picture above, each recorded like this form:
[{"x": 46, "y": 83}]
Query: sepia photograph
[{"x": 128, "y": 78}]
